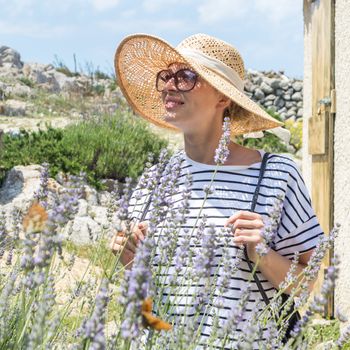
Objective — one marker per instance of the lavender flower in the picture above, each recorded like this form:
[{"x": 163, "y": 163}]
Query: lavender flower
[
  {"x": 235, "y": 316},
  {"x": 135, "y": 288},
  {"x": 92, "y": 329},
  {"x": 42, "y": 194},
  {"x": 270, "y": 227},
  {"x": 176, "y": 217},
  {"x": 229, "y": 266},
  {"x": 319, "y": 301},
  {"x": 43, "y": 307},
  {"x": 5, "y": 299},
  {"x": 222, "y": 152},
  {"x": 205, "y": 259}
]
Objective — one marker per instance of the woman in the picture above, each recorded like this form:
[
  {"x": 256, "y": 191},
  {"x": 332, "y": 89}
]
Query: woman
[{"x": 191, "y": 89}]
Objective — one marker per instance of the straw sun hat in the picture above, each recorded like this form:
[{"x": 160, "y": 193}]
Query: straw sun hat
[{"x": 140, "y": 57}]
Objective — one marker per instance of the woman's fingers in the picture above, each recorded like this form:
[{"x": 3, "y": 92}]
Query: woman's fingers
[
  {"x": 247, "y": 236},
  {"x": 123, "y": 242},
  {"x": 242, "y": 215}
]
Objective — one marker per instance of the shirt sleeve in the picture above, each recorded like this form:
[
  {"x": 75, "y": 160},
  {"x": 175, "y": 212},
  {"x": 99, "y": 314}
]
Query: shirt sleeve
[{"x": 299, "y": 229}]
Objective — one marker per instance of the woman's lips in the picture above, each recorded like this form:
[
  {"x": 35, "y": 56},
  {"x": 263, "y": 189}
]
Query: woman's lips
[{"x": 172, "y": 104}]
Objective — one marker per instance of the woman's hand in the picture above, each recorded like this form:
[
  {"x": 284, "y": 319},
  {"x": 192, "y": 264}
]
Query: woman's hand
[
  {"x": 246, "y": 228},
  {"x": 125, "y": 246}
]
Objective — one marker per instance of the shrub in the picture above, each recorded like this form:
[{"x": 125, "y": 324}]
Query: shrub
[
  {"x": 26, "y": 81},
  {"x": 270, "y": 142},
  {"x": 106, "y": 147},
  {"x": 296, "y": 132}
]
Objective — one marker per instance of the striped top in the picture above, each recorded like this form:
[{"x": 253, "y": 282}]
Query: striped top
[{"x": 234, "y": 186}]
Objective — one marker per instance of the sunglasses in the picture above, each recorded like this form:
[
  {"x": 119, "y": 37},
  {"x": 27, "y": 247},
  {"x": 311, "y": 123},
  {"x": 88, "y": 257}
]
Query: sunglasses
[{"x": 184, "y": 79}]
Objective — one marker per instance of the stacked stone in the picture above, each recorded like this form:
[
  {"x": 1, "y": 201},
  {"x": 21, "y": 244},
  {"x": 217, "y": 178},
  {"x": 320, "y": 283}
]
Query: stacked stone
[
  {"x": 272, "y": 90},
  {"x": 275, "y": 91}
]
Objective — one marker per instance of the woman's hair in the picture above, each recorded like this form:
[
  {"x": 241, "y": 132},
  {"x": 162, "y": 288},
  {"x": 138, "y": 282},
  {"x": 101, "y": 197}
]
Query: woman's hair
[{"x": 231, "y": 110}]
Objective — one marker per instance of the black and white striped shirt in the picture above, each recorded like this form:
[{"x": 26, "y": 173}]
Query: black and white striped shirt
[{"x": 234, "y": 186}]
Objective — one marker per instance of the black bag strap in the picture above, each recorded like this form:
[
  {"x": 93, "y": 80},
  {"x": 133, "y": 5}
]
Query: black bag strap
[{"x": 254, "y": 200}]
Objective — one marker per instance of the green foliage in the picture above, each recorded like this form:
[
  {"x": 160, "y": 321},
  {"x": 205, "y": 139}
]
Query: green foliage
[
  {"x": 319, "y": 333},
  {"x": 107, "y": 147},
  {"x": 296, "y": 132},
  {"x": 270, "y": 142},
  {"x": 98, "y": 89},
  {"x": 101, "y": 75},
  {"x": 63, "y": 68},
  {"x": 27, "y": 81}
]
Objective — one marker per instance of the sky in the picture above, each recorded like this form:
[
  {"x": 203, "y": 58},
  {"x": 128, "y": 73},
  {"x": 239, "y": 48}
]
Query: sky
[{"x": 267, "y": 33}]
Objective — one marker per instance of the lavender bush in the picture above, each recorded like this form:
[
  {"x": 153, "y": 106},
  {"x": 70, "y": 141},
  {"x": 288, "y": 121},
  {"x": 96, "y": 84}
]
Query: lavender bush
[{"x": 103, "y": 307}]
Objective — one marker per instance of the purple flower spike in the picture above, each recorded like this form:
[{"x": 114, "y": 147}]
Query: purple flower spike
[{"x": 222, "y": 152}]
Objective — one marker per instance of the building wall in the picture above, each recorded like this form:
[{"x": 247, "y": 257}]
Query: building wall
[
  {"x": 341, "y": 138},
  {"x": 342, "y": 150}
]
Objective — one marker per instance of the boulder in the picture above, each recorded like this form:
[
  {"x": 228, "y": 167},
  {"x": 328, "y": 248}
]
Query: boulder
[
  {"x": 267, "y": 89},
  {"x": 297, "y": 96},
  {"x": 258, "y": 94},
  {"x": 20, "y": 185},
  {"x": 15, "y": 108},
  {"x": 10, "y": 58}
]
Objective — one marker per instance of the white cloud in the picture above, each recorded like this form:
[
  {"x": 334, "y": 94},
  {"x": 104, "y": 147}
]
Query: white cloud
[
  {"x": 34, "y": 30},
  {"x": 153, "y": 6},
  {"x": 214, "y": 11},
  {"x": 278, "y": 11},
  {"x": 144, "y": 25},
  {"x": 103, "y": 5}
]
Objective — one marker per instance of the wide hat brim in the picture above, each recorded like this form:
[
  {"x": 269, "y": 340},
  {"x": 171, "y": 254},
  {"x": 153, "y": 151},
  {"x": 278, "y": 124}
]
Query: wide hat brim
[{"x": 140, "y": 57}]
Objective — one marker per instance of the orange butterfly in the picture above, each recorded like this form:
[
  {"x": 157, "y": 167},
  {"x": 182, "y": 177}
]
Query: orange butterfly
[
  {"x": 152, "y": 321},
  {"x": 35, "y": 219}
]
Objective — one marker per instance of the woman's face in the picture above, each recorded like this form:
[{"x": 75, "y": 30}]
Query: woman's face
[{"x": 191, "y": 110}]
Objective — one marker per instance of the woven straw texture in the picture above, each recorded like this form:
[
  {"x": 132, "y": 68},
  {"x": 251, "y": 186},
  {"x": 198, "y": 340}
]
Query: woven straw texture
[{"x": 140, "y": 57}]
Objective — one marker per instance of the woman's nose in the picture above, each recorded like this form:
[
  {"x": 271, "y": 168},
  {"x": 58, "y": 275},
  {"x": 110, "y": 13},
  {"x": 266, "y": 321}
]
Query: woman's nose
[{"x": 170, "y": 85}]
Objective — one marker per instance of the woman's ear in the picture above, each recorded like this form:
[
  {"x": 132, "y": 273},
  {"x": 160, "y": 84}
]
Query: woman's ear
[{"x": 224, "y": 101}]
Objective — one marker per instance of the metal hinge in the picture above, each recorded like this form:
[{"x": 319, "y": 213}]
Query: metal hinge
[{"x": 327, "y": 102}]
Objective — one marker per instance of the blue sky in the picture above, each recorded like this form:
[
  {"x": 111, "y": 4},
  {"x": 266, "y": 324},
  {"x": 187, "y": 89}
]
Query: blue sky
[{"x": 268, "y": 33}]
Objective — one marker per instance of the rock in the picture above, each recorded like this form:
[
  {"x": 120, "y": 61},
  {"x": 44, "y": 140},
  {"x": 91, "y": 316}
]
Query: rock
[
  {"x": 10, "y": 73},
  {"x": 297, "y": 96},
  {"x": 281, "y": 133},
  {"x": 15, "y": 108},
  {"x": 286, "y": 97},
  {"x": 83, "y": 208},
  {"x": 289, "y": 104},
  {"x": 19, "y": 90},
  {"x": 291, "y": 113},
  {"x": 37, "y": 72},
  {"x": 10, "y": 58},
  {"x": 275, "y": 83},
  {"x": 297, "y": 86},
  {"x": 249, "y": 86},
  {"x": 20, "y": 185},
  {"x": 279, "y": 102},
  {"x": 90, "y": 195},
  {"x": 270, "y": 97},
  {"x": 257, "y": 80},
  {"x": 266, "y": 88},
  {"x": 82, "y": 230},
  {"x": 290, "y": 149},
  {"x": 258, "y": 94},
  {"x": 279, "y": 92},
  {"x": 284, "y": 84},
  {"x": 282, "y": 110},
  {"x": 268, "y": 103},
  {"x": 300, "y": 113}
]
